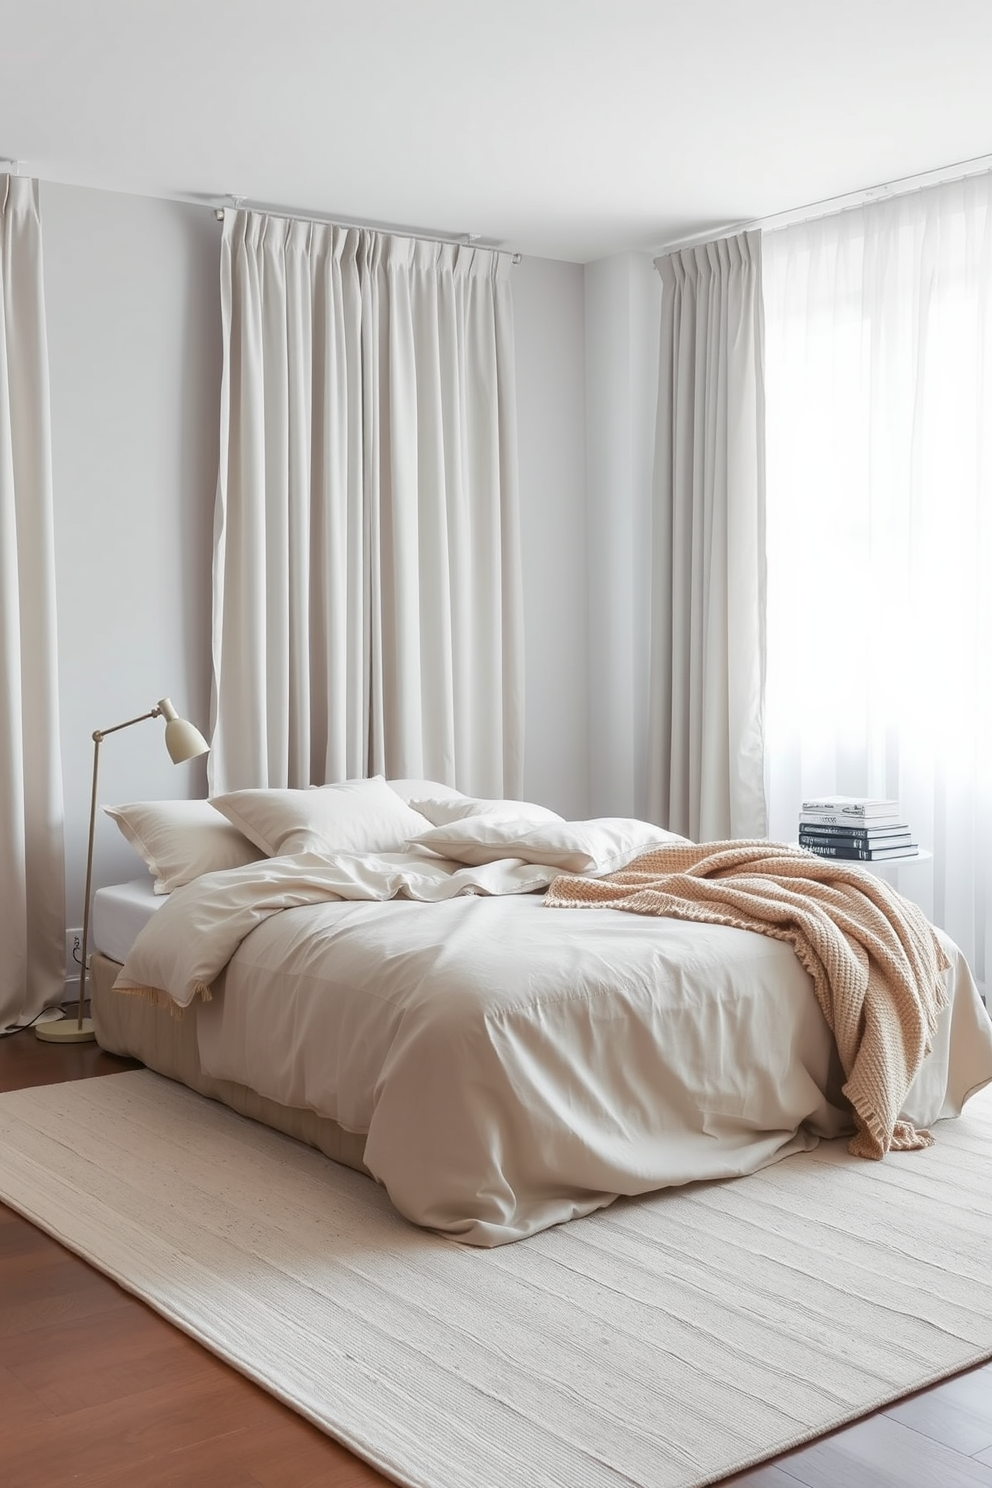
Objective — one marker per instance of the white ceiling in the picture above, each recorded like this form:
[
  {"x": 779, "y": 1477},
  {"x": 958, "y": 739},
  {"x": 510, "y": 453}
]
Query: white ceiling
[{"x": 565, "y": 128}]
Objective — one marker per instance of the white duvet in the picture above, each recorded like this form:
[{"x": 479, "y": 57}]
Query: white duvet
[{"x": 511, "y": 1065}]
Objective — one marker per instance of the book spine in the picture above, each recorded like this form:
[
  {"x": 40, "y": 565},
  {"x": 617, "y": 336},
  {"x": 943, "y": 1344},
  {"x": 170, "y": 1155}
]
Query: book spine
[
  {"x": 823, "y": 851},
  {"x": 841, "y": 823},
  {"x": 891, "y": 836},
  {"x": 853, "y": 849}
]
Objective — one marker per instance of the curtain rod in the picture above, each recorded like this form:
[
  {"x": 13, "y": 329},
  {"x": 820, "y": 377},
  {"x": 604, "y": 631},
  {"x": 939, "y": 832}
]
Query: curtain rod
[
  {"x": 900, "y": 187},
  {"x": 10, "y": 166},
  {"x": 464, "y": 240}
]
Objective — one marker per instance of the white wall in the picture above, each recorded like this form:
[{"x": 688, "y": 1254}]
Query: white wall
[
  {"x": 622, "y": 318},
  {"x": 134, "y": 346},
  {"x": 550, "y": 345}
]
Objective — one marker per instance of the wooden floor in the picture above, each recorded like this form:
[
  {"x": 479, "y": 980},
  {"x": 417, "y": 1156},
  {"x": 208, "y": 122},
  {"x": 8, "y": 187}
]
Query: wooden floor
[{"x": 97, "y": 1391}]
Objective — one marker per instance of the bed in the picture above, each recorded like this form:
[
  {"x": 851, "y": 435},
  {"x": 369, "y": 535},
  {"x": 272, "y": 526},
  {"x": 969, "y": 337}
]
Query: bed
[{"x": 498, "y": 1065}]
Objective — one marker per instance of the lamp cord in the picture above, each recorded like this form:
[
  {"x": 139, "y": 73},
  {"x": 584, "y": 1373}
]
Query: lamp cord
[{"x": 13, "y": 1028}]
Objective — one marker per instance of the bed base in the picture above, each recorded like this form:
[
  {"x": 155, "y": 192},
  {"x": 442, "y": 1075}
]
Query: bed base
[{"x": 137, "y": 1029}]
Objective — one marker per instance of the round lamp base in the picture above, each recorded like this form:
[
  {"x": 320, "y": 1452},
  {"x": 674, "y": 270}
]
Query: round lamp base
[{"x": 67, "y": 1031}]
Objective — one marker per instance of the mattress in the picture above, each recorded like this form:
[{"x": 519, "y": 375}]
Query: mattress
[{"x": 119, "y": 912}]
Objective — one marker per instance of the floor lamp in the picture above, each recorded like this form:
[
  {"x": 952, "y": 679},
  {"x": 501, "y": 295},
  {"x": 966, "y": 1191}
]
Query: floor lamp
[{"x": 184, "y": 742}]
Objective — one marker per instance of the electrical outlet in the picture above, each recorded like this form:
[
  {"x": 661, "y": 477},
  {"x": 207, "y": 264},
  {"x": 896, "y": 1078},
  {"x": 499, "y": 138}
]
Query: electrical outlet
[{"x": 73, "y": 952}]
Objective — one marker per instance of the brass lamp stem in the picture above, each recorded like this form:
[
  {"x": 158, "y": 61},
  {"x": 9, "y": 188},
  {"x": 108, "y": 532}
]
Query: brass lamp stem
[{"x": 98, "y": 737}]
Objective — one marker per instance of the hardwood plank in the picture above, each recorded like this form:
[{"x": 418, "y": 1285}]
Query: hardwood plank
[
  {"x": 69, "y": 1369},
  {"x": 771, "y": 1475},
  {"x": 972, "y": 1389},
  {"x": 957, "y": 1412},
  {"x": 68, "y": 1288},
  {"x": 884, "y": 1453},
  {"x": 126, "y": 1434},
  {"x": 26, "y": 1061},
  {"x": 22, "y": 1245},
  {"x": 291, "y": 1458},
  {"x": 182, "y": 1434},
  {"x": 219, "y": 1468},
  {"x": 35, "y": 1265},
  {"x": 18, "y": 1403}
]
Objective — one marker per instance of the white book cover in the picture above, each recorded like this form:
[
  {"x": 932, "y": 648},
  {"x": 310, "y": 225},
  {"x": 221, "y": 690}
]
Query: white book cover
[{"x": 857, "y": 807}]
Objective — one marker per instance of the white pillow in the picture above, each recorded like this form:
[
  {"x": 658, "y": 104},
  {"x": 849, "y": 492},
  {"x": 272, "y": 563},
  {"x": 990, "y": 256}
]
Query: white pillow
[
  {"x": 588, "y": 847},
  {"x": 446, "y": 809},
  {"x": 357, "y": 816},
  {"x": 412, "y": 790},
  {"x": 179, "y": 840}
]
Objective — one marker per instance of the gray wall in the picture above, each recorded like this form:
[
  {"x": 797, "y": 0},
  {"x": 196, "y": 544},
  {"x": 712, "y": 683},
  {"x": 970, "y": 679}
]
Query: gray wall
[
  {"x": 134, "y": 348},
  {"x": 622, "y": 310},
  {"x": 548, "y": 300}
]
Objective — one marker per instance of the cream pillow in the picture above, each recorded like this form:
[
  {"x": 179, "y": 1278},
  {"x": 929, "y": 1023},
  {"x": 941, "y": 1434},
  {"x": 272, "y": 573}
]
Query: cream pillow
[
  {"x": 357, "y": 816},
  {"x": 586, "y": 847},
  {"x": 442, "y": 810},
  {"x": 179, "y": 840}
]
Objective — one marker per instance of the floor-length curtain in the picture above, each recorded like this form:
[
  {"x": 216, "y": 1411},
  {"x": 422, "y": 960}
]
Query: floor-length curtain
[
  {"x": 290, "y": 582},
  {"x": 32, "y": 863},
  {"x": 706, "y": 770},
  {"x": 441, "y": 470},
  {"x": 366, "y": 566},
  {"x": 879, "y": 361}
]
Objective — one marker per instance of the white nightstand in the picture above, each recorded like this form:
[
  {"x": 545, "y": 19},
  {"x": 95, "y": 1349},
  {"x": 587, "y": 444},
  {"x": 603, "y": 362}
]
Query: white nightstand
[
  {"x": 889, "y": 868},
  {"x": 902, "y": 873}
]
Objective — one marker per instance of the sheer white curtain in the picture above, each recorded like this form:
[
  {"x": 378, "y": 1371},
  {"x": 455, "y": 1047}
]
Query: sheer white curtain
[
  {"x": 367, "y": 600},
  {"x": 708, "y": 593},
  {"x": 32, "y": 863},
  {"x": 879, "y": 380}
]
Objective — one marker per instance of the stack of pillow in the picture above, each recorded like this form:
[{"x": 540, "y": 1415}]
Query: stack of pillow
[{"x": 181, "y": 840}]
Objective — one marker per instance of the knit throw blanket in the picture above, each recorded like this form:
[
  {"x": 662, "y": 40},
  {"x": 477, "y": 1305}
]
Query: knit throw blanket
[{"x": 874, "y": 958}]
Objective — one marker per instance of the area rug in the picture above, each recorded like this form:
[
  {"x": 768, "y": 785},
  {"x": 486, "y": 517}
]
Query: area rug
[{"x": 666, "y": 1341}]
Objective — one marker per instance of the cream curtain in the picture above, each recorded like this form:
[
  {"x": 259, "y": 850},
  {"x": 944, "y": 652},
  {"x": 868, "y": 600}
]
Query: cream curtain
[
  {"x": 32, "y": 863},
  {"x": 366, "y": 569},
  {"x": 879, "y": 356},
  {"x": 290, "y": 582},
  {"x": 706, "y": 766}
]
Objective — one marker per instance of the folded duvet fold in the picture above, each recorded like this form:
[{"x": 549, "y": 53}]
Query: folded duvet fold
[
  {"x": 875, "y": 960},
  {"x": 189, "y": 941}
]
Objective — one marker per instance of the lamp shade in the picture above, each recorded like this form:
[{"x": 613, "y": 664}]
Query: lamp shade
[{"x": 182, "y": 740}]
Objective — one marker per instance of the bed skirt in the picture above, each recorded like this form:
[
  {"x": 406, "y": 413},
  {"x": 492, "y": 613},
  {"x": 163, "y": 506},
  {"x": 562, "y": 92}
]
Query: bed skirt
[{"x": 137, "y": 1029}]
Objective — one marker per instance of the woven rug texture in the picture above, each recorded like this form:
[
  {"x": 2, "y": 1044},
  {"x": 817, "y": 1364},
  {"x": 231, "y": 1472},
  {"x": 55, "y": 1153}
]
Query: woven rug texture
[{"x": 666, "y": 1341}]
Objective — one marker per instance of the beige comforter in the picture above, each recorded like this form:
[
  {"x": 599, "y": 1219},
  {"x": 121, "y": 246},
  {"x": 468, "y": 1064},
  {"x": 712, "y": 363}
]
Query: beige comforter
[
  {"x": 509, "y": 1065},
  {"x": 875, "y": 960}
]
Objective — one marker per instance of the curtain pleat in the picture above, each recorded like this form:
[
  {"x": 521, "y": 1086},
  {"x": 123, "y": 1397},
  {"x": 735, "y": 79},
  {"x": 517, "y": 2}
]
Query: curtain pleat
[
  {"x": 705, "y": 747},
  {"x": 367, "y": 573},
  {"x": 446, "y": 568},
  {"x": 32, "y": 863},
  {"x": 290, "y": 668}
]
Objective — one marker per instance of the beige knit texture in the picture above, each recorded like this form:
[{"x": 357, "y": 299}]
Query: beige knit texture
[{"x": 875, "y": 960}]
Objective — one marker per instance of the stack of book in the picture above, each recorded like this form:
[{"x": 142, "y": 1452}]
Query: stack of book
[{"x": 863, "y": 828}]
